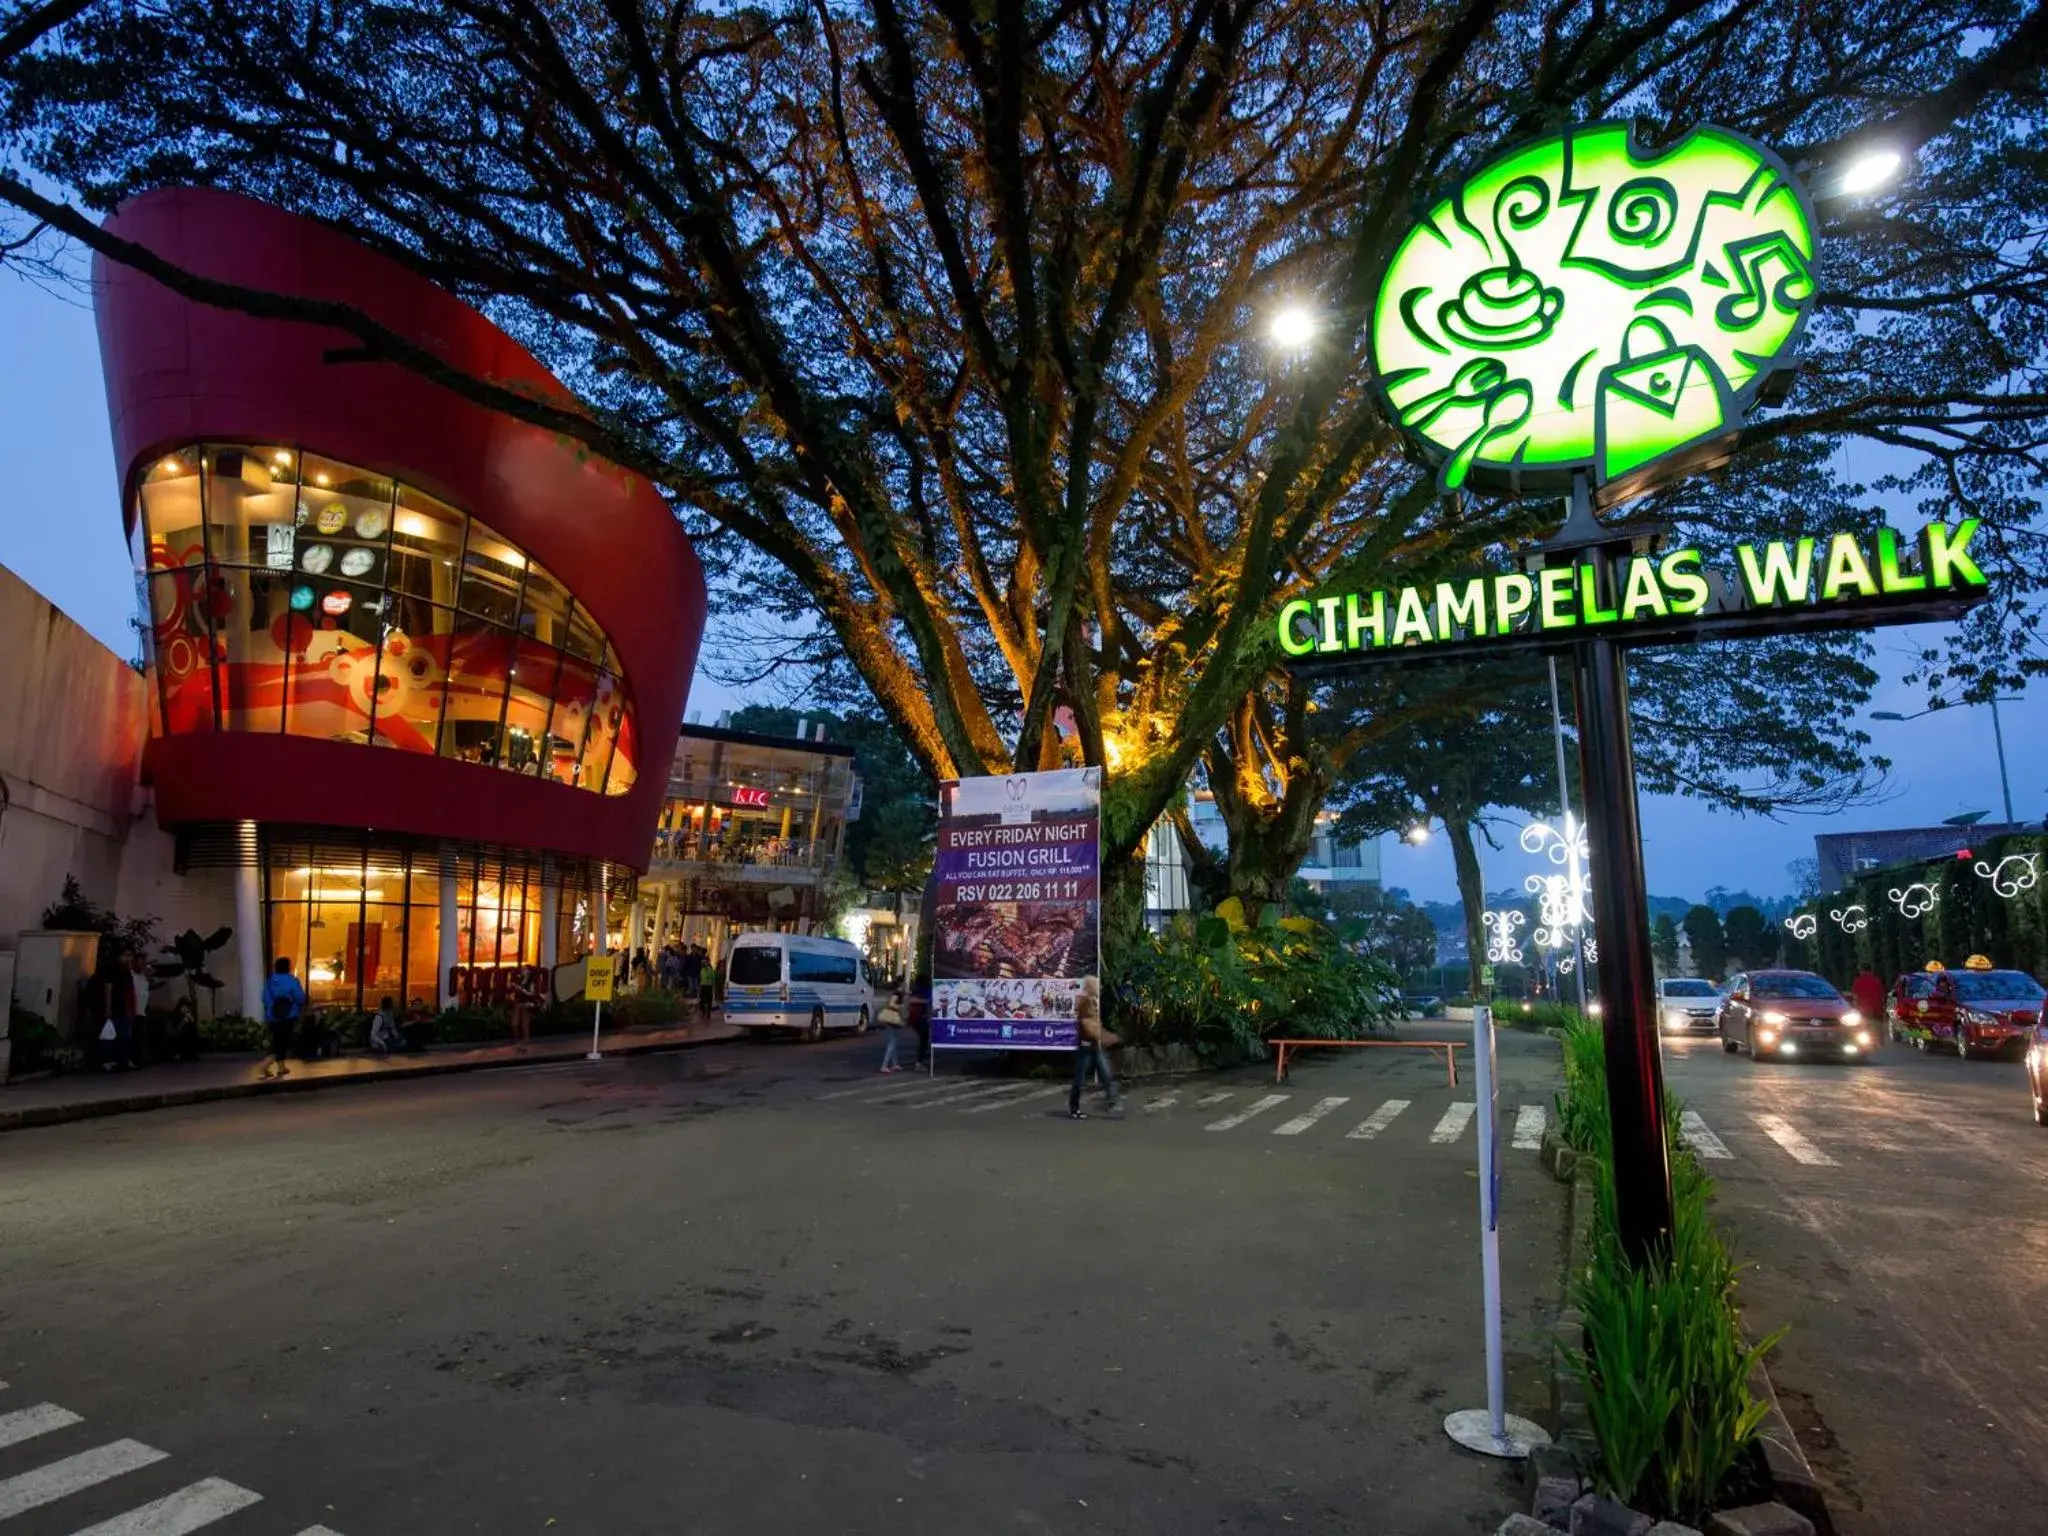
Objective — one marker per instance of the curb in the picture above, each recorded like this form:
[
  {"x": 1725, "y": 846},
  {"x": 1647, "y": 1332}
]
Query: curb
[
  {"x": 178, "y": 1098},
  {"x": 1785, "y": 1463}
]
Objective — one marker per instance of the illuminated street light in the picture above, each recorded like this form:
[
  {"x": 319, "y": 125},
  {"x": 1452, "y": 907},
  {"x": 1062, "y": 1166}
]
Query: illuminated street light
[
  {"x": 1870, "y": 170},
  {"x": 1416, "y": 835},
  {"x": 1291, "y": 328}
]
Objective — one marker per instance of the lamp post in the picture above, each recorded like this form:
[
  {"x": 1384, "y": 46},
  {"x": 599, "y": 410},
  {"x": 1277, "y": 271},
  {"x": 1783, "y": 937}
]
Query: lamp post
[
  {"x": 1997, "y": 736},
  {"x": 1564, "y": 807}
]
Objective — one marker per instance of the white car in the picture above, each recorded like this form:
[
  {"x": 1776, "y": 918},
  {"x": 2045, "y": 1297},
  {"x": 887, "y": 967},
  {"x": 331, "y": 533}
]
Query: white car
[
  {"x": 791, "y": 981},
  {"x": 1687, "y": 1005}
]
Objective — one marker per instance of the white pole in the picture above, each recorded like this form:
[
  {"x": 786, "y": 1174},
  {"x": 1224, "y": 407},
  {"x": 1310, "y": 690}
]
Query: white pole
[
  {"x": 1492, "y": 1430},
  {"x": 1564, "y": 806},
  {"x": 596, "y": 1024}
]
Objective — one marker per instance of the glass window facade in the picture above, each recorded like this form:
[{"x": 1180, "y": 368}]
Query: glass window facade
[
  {"x": 290, "y": 593},
  {"x": 362, "y": 923}
]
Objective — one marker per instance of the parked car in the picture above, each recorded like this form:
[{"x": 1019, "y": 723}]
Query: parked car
[
  {"x": 1687, "y": 1003},
  {"x": 790, "y": 981},
  {"x": 1996, "y": 1012},
  {"x": 1789, "y": 1014}
]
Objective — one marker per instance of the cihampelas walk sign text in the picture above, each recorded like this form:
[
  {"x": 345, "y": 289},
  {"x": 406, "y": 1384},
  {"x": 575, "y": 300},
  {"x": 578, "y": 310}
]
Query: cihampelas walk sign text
[{"x": 1671, "y": 597}]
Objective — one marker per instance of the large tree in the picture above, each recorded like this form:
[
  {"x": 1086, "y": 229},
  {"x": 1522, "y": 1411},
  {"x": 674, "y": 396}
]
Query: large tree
[{"x": 944, "y": 322}]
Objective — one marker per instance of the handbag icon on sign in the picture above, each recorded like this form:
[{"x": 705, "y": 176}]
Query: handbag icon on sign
[{"x": 1657, "y": 398}]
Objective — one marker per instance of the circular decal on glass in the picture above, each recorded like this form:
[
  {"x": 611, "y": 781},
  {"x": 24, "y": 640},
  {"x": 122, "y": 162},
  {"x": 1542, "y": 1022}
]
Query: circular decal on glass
[
  {"x": 370, "y": 524},
  {"x": 331, "y": 519},
  {"x": 355, "y": 562},
  {"x": 302, "y": 599},
  {"x": 316, "y": 559},
  {"x": 1576, "y": 307},
  {"x": 336, "y": 604}
]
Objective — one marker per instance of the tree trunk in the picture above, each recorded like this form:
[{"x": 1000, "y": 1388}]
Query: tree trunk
[{"x": 1471, "y": 889}]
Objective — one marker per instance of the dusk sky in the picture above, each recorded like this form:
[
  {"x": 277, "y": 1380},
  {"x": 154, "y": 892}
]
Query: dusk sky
[{"x": 61, "y": 532}]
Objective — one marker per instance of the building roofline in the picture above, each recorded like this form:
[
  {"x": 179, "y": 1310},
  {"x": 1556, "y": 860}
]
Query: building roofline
[{"x": 752, "y": 739}]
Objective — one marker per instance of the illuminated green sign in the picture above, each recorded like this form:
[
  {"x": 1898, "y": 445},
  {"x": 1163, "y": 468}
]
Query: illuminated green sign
[
  {"x": 1578, "y": 308},
  {"x": 1771, "y": 586}
]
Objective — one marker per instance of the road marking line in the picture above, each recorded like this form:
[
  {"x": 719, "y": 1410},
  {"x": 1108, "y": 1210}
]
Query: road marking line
[
  {"x": 1786, "y": 1135},
  {"x": 27, "y": 1423},
  {"x": 45, "y": 1485},
  {"x": 1302, "y": 1122},
  {"x": 1232, "y": 1122},
  {"x": 1022, "y": 1098},
  {"x": 1378, "y": 1120},
  {"x": 929, "y": 1085},
  {"x": 1164, "y": 1101},
  {"x": 318, "y": 1530},
  {"x": 1694, "y": 1133},
  {"x": 1455, "y": 1119},
  {"x": 1529, "y": 1128},
  {"x": 971, "y": 1093},
  {"x": 1212, "y": 1099},
  {"x": 176, "y": 1514}
]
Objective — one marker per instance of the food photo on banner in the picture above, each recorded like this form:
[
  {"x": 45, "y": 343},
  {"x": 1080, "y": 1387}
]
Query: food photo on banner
[{"x": 1017, "y": 916}]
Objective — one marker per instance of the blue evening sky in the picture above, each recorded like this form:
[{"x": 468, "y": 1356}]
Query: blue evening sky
[{"x": 60, "y": 530}]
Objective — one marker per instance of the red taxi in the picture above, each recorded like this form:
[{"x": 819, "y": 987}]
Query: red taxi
[
  {"x": 1995, "y": 1011},
  {"x": 1921, "y": 1003}
]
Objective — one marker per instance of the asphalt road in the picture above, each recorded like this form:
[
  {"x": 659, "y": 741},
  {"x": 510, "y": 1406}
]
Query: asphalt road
[
  {"x": 1896, "y": 1212},
  {"x": 742, "y": 1290}
]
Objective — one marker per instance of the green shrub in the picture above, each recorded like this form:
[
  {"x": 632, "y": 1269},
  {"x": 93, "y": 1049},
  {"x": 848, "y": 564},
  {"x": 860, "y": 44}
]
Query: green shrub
[
  {"x": 34, "y": 1040},
  {"x": 1665, "y": 1364},
  {"x": 1225, "y": 985},
  {"x": 233, "y": 1032}
]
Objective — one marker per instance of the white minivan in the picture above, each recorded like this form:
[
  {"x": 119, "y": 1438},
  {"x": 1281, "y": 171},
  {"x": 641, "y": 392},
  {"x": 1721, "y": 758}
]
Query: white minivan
[{"x": 789, "y": 981}]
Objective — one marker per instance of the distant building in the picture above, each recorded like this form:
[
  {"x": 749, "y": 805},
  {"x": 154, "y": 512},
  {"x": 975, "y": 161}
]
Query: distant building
[
  {"x": 1332, "y": 863},
  {"x": 1844, "y": 855}
]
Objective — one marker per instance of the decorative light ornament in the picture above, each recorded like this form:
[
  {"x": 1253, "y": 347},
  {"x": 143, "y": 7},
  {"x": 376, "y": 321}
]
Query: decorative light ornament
[
  {"x": 1562, "y": 899},
  {"x": 1802, "y": 925},
  {"x": 2023, "y": 878},
  {"x": 1911, "y": 905},
  {"x": 1501, "y": 948},
  {"x": 1592, "y": 951},
  {"x": 1852, "y": 918}
]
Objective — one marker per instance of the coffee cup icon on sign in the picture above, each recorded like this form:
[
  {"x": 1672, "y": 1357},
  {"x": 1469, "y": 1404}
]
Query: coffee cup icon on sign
[{"x": 1662, "y": 395}]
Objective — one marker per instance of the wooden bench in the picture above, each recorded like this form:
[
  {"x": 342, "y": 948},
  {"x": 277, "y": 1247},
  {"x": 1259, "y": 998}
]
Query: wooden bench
[{"x": 1450, "y": 1048}]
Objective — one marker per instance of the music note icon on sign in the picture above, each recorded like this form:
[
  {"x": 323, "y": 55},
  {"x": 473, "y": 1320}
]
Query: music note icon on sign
[{"x": 1749, "y": 259}]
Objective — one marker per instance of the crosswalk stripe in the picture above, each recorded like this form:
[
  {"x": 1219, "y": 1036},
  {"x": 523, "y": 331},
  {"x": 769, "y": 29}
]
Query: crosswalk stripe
[
  {"x": 969, "y": 1093},
  {"x": 1022, "y": 1098},
  {"x": 892, "y": 1089},
  {"x": 1378, "y": 1120},
  {"x": 1529, "y": 1128},
  {"x": 175, "y": 1514},
  {"x": 32, "y": 1490},
  {"x": 1208, "y": 1100},
  {"x": 1302, "y": 1122},
  {"x": 1692, "y": 1130},
  {"x": 1455, "y": 1119},
  {"x": 27, "y": 1423},
  {"x": 1164, "y": 1101},
  {"x": 318, "y": 1530},
  {"x": 1232, "y": 1122},
  {"x": 1786, "y": 1135}
]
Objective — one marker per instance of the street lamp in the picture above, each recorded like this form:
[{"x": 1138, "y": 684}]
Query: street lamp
[
  {"x": 1997, "y": 735},
  {"x": 1870, "y": 170},
  {"x": 1416, "y": 835},
  {"x": 1291, "y": 328}
]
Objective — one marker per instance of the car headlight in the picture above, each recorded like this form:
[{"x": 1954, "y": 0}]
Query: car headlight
[
  {"x": 1764, "y": 1037},
  {"x": 1775, "y": 1017},
  {"x": 1673, "y": 1019},
  {"x": 1852, "y": 1018}
]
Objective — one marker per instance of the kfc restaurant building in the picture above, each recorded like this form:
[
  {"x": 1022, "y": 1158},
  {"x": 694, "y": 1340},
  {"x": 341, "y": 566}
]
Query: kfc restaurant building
[{"x": 415, "y": 669}]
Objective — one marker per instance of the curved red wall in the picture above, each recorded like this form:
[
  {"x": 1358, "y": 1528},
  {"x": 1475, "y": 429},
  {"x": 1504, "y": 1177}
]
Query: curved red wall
[{"x": 180, "y": 373}]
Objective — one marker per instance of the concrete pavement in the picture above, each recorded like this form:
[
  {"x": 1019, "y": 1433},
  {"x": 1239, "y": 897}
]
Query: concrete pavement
[
  {"x": 1896, "y": 1214},
  {"x": 701, "y": 1293}
]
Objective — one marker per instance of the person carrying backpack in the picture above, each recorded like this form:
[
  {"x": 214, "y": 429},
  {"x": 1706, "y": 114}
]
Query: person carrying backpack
[{"x": 283, "y": 1001}]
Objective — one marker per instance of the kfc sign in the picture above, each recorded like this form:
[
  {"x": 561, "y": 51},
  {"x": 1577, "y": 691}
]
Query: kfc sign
[{"x": 756, "y": 799}]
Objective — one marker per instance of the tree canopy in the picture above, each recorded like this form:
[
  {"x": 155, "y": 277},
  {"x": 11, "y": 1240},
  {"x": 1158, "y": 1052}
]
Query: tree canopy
[{"x": 945, "y": 326}]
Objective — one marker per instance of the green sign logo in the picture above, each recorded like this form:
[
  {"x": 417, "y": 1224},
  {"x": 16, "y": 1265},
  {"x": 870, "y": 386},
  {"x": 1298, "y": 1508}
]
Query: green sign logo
[{"x": 1577, "y": 308}]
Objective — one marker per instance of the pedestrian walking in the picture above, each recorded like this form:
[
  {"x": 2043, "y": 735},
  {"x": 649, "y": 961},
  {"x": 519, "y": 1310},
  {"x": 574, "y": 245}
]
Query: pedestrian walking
[
  {"x": 1089, "y": 1055},
  {"x": 525, "y": 998},
  {"x": 889, "y": 1036},
  {"x": 113, "y": 997},
  {"x": 283, "y": 1001},
  {"x": 707, "y": 985},
  {"x": 1868, "y": 991}
]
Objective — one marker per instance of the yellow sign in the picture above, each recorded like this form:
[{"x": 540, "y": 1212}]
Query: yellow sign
[{"x": 597, "y": 978}]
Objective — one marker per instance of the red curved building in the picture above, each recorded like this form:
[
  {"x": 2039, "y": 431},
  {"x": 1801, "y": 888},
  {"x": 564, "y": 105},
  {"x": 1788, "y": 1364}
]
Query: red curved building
[{"x": 418, "y": 667}]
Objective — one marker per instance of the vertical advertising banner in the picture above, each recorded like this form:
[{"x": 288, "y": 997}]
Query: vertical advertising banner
[{"x": 1018, "y": 912}]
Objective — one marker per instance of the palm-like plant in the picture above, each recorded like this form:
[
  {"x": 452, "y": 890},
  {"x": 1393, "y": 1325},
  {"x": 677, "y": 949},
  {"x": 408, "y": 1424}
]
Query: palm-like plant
[{"x": 187, "y": 961}]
